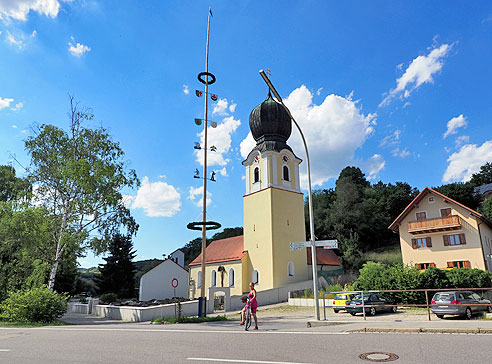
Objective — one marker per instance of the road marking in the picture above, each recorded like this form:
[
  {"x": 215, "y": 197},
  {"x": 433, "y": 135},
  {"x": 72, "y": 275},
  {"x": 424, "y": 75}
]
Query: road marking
[
  {"x": 4, "y": 349},
  {"x": 244, "y": 361},
  {"x": 201, "y": 331}
]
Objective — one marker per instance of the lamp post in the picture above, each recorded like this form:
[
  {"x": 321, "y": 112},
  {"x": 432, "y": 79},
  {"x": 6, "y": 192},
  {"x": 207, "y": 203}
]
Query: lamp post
[{"x": 310, "y": 197}]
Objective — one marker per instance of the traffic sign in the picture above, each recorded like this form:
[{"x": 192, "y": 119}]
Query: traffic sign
[
  {"x": 300, "y": 244},
  {"x": 326, "y": 244},
  {"x": 174, "y": 282}
]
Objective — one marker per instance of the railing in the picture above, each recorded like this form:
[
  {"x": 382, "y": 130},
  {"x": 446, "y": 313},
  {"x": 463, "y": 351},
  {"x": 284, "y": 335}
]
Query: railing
[
  {"x": 438, "y": 223},
  {"x": 425, "y": 290}
]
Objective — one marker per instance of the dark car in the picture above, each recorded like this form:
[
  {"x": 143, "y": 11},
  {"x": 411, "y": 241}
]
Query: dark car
[
  {"x": 459, "y": 303},
  {"x": 373, "y": 303}
]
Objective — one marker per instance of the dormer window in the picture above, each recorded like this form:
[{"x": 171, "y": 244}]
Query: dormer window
[
  {"x": 256, "y": 175},
  {"x": 286, "y": 174}
]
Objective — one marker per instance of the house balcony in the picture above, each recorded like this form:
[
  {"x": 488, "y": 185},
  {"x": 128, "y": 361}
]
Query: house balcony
[{"x": 448, "y": 223}]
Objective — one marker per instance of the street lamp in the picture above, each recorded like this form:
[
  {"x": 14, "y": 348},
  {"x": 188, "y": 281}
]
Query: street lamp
[{"x": 311, "y": 221}]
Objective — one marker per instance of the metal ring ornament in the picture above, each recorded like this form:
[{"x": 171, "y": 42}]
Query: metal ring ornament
[
  {"x": 209, "y": 225},
  {"x": 206, "y": 81}
]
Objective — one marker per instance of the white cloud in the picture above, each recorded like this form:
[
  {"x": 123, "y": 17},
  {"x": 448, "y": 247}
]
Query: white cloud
[
  {"x": 223, "y": 172},
  {"x": 12, "y": 40},
  {"x": 391, "y": 140},
  {"x": 420, "y": 71},
  {"x": 373, "y": 166},
  {"x": 186, "y": 89},
  {"x": 454, "y": 124},
  {"x": 195, "y": 192},
  {"x": 463, "y": 139},
  {"x": 34, "y": 33},
  {"x": 220, "y": 108},
  {"x": 78, "y": 50},
  {"x": 402, "y": 153},
  {"x": 466, "y": 161},
  {"x": 25, "y": 131},
  {"x": 128, "y": 201},
  {"x": 18, "y": 9},
  {"x": 5, "y": 103},
  {"x": 318, "y": 91},
  {"x": 14, "y": 126},
  {"x": 334, "y": 130},
  {"x": 232, "y": 107},
  {"x": 18, "y": 106},
  {"x": 221, "y": 138},
  {"x": 158, "y": 199}
]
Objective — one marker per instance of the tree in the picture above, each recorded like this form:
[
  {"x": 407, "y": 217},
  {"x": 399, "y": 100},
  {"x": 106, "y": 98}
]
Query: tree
[
  {"x": 464, "y": 193},
  {"x": 118, "y": 274},
  {"x": 228, "y": 233},
  {"x": 12, "y": 187},
  {"x": 486, "y": 208},
  {"x": 78, "y": 177},
  {"x": 483, "y": 177}
]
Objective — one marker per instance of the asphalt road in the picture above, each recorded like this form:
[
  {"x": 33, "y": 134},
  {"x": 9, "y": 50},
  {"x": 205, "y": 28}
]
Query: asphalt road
[{"x": 227, "y": 342}]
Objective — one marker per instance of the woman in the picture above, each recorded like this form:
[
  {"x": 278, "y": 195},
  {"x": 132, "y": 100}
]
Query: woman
[{"x": 254, "y": 305}]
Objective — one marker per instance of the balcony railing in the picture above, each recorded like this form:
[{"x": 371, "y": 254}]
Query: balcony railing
[{"x": 437, "y": 224}]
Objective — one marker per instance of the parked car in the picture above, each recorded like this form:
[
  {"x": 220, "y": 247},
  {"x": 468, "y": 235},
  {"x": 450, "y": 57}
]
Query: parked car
[
  {"x": 340, "y": 301},
  {"x": 460, "y": 303},
  {"x": 373, "y": 303}
]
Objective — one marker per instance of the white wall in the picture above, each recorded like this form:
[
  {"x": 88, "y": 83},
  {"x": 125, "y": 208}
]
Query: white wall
[
  {"x": 178, "y": 256},
  {"x": 156, "y": 283}
]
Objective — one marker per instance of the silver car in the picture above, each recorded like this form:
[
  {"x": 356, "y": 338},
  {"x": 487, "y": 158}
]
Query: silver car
[{"x": 461, "y": 303}]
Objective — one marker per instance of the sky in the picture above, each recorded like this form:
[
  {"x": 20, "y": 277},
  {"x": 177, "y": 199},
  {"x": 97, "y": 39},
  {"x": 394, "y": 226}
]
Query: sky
[{"x": 398, "y": 89}]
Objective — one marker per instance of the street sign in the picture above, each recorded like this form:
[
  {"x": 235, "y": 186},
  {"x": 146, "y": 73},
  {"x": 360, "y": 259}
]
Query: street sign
[
  {"x": 174, "y": 282},
  {"x": 326, "y": 244}
]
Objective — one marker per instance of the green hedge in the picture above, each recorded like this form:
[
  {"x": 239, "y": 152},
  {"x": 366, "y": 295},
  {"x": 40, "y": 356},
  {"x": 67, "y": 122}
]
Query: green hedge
[
  {"x": 379, "y": 276},
  {"x": 34, "y": 305}
]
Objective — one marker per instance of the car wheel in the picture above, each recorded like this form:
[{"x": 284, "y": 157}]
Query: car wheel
[
  {"x": 440, "y": 316},
  {"x": 352, "y": 313},
  {"x": 468, "y": 313},
  {"x": 336, "y": 311},
  {"x": 372, "y": 311},
  {"x": 393, "y": 309}
]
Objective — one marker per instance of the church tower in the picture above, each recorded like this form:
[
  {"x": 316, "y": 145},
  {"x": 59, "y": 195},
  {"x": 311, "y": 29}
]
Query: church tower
[{"x": 273, "y": 203}]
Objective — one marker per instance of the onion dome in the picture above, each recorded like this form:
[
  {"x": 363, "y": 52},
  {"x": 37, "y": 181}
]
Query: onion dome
[{"x": 270, "y": 125}]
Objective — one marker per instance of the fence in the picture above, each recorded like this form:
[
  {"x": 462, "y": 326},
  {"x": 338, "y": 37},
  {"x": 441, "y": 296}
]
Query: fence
[{"x": 421, "y": 290}]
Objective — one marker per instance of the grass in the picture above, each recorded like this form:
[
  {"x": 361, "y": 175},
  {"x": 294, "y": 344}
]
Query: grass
[
  {"x": 190, "y": 320},
  {"x": 387, "y": 255},
  {"x": 32, "y": 324}
]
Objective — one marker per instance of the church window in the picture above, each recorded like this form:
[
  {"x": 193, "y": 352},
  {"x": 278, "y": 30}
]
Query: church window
[
  {"x": 256, "y": 177},
  {"x": 213, "y": 278},
  {"x": 255, "y": 277},
  {"x": 199, "y": 280},
  {"x": 286, "y": 173},
  {"x": 231, "y": 277},
  {"x": 290, "y": 269}
]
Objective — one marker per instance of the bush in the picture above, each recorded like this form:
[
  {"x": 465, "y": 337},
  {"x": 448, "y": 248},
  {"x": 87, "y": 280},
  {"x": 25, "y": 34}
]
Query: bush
[
  {"x": 108, "y": 298},
  {"x": 34, "y": 305}
]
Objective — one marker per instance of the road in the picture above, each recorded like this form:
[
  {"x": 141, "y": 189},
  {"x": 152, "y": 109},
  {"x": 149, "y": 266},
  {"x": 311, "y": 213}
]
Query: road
[{"x": 227, "y": 342}]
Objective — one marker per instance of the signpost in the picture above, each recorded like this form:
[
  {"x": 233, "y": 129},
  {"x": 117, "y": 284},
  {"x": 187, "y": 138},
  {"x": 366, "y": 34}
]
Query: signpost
[
  {"x": 326, "y": 244},
  {"x": 174, "y": 283}
]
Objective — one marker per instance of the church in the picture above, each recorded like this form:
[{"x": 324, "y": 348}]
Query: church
[{"x": 273, "y": 216}]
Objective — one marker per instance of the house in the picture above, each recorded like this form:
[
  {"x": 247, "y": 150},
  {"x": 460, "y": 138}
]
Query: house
[
  {"x": 158, "y": 282},
  {"x": 484, "y": 191},
  {"x": 178, "y": 257},
  {"x": 273, "y": 208},
  {"x": 437, "y": 231}
]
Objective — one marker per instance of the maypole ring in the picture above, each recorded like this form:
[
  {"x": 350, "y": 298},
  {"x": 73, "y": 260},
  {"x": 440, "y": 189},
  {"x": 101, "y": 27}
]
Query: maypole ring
[
  {"x": 210, "y": 78},
  {"x": 209, "y": 225}
]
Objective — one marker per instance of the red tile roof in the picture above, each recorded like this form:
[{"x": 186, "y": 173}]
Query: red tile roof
[
  {"x": 323, "y": 256},
  {"x": 416, "y": 200},
  {"x": 223, "y": 250}
]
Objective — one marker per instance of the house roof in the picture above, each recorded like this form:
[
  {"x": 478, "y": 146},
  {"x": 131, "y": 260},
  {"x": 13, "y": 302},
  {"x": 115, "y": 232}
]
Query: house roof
[
  {"x": 223, "y": 250},
  {"x": 420, "y": 196},
  {"x": 483, "y": 189},
  {"x": 323, "y": 256}
]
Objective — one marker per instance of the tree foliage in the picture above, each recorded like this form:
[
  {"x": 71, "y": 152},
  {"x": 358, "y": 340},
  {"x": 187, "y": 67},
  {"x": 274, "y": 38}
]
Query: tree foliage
[
  {"x": 118, "y": 273},
  {"x": 78, "y": 177},
  {"x": 483, "y": 177},
  {"x": 463, "y": 193}
]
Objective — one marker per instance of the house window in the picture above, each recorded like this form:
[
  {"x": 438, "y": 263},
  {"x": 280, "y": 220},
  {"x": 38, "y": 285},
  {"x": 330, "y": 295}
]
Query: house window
[
  {"x": 431, "y": 199},
  {"x": 422, "y": 243},
  {"x": 256, "y": 173},
  {"x": 459, "y": 264},
  {"x": 286, "y": 173},
  {"x": 424, "y": 266},
  {"x": 421, "y": 216},
  {"x": 255, "y": 278},
  {"x": 446, "y": 212},
  {"x": 199, "y": 280},
  {"x": 231, "y": 277},
  {"x": 290, "y": 269},
  {"x": 213, "y": 278},
  {"x": 457, "y": 239}
]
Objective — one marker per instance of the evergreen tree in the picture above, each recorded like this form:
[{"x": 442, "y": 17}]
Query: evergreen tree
[
  {"x": 483, "y": 177},
  {"x": 118, "y": 274}
]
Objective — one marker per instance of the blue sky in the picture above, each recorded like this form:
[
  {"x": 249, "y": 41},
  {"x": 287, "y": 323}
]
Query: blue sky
[{"x": 400, "y": 89}]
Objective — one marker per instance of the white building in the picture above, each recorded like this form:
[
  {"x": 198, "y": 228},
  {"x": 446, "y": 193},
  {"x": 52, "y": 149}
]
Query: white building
[{"x": 158, "y": 282}]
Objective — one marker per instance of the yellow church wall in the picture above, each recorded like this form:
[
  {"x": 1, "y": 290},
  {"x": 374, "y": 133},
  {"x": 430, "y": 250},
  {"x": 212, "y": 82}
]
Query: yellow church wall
[
  {"x": 292, "y": 169},
  {"x": 439, "y": 253},
  {"x": 238, "y": 287}
]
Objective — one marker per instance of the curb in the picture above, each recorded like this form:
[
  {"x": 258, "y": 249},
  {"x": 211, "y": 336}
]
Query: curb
[
  {"x": 424, "y": 330},
  {"x": 327, "y": 323}
]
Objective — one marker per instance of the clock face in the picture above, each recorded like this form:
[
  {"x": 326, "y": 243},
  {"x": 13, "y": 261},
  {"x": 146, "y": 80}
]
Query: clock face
[
  {"x": 285, "y": 158},
  {"x": 257, "y": 160}
]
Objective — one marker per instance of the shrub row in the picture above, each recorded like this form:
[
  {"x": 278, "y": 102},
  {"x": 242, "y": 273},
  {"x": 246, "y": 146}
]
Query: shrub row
[{"x": 379, "y": 276}]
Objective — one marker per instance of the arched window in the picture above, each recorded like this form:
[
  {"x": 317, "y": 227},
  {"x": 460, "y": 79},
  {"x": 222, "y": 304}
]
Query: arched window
[
  {"x": 290, "y": 269},
  {"x": 286, "y": 173},
  {"x": 231, "y": 277},
  {"x": 256, "y": 177},
  {"x": 255, "y": 278},
  {"x": 199, "y": 280},
  {"x": 213, "y": 278}
]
